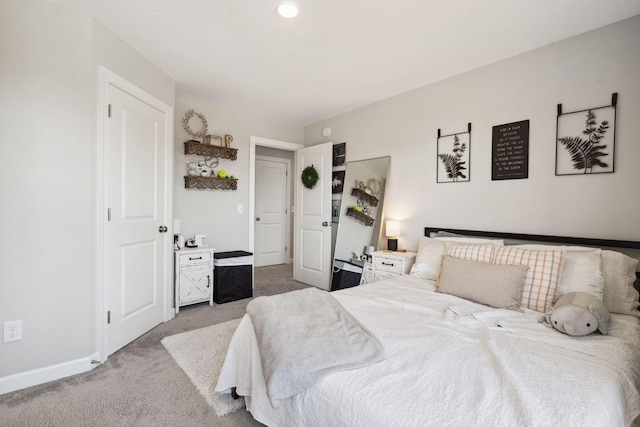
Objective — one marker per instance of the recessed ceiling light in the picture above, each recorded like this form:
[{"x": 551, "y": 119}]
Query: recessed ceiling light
[{"x": 288, "y": 10}]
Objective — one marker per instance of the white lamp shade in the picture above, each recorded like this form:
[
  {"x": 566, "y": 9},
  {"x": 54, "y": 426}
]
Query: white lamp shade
[{"x": 393, "y": 228}]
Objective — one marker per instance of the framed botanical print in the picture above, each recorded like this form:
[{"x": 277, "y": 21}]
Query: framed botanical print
[{"x": 586, "y": 139}]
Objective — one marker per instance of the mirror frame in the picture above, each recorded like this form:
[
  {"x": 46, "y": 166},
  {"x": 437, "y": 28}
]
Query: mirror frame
[{"x": 377, "y": 228}]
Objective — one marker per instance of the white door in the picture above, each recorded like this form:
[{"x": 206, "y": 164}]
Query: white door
[
  {"x": 136, "y": 238},
  {"x": 271, "y": 212},
  {"x": 312, "y": 260}
]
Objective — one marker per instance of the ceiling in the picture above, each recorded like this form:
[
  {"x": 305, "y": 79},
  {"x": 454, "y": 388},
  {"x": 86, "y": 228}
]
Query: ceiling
[{"x": 336, "y": 55}]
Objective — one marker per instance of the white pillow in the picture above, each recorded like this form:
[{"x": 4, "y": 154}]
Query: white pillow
[
  {"x": 619, "y": 272},
  {"x": 581, "y": 270},
  {"x": 428, "y": 258},
  {"x": 431, "y": 251}
]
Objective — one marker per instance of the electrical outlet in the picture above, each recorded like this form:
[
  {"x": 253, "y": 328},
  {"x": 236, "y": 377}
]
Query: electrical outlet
[{"x": 13, "y": 330}]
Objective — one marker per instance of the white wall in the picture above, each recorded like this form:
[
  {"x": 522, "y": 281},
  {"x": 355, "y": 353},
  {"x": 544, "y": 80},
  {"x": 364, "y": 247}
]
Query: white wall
[
  {"x": 580, "y": 72},
  {"x": 48, "y": 81},
  {"x": 214, "y": 212}
]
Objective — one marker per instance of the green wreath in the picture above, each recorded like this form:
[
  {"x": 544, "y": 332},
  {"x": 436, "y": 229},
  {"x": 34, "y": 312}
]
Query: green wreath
[{"x": 309, "y": 176}]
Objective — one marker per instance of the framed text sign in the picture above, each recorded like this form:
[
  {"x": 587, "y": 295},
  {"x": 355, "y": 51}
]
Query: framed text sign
[{"x": 510, "y": 151}]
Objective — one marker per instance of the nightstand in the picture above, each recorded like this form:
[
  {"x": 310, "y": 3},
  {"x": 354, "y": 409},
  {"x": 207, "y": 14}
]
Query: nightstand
[
  {"x": 367, "y": 273},
  {"x": 193, "y": 276},
  {"x": 389, "y": 264}
]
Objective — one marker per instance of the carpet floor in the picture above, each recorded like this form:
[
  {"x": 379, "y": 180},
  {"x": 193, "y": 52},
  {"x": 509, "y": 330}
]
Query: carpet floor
[{"x": 141, "y": 384}]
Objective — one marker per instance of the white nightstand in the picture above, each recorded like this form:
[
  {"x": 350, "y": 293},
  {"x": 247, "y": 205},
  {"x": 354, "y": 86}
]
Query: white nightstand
[
  {"x": 193, "y": 276},
  {"x": 367, "y": 273},
  {"x": 389, "y": 264}
]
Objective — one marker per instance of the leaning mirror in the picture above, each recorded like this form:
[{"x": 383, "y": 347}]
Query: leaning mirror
[{"x": 360, "y": 219}]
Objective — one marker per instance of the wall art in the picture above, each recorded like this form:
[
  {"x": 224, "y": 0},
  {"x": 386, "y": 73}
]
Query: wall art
[
  {"x": 186, "y": 124},
  {"x": 339, "y": 153},
  {"x": 337, "y": 182},
  {"x": 335, "y": 210},
  {"x": 510, "y": 151},
  {"x": 585, "y": 140},
  {"x": 454, "y": 157}
]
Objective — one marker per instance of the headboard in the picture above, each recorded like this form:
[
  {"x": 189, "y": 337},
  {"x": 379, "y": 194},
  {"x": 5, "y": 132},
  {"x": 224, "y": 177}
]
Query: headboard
[{"x": 627, "y": 247}]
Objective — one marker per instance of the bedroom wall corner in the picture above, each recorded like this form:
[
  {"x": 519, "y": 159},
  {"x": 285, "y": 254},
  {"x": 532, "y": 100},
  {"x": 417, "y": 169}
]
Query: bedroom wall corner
[
  {"x": 48, "y": 116},
  {"x": 49, "y": 81},
  {"x": 215, "y": 212}
]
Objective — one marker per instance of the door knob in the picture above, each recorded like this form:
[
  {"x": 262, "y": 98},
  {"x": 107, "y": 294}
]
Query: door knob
[
  {"x": 325, "y": 224},
  {"x": 257, "y": 218},
  {"x": 163, "y": 229}
]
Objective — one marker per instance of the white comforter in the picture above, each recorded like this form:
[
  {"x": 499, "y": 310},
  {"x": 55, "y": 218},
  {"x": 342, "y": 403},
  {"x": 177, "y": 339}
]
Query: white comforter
[{"x": 451, "y": 362}]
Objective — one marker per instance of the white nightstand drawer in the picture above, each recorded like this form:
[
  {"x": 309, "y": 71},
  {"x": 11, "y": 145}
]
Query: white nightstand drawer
[
  {"x": 388, "y": 264},
  {"x": 381, "y": 275},
  {"x": 195, "y": 258}
]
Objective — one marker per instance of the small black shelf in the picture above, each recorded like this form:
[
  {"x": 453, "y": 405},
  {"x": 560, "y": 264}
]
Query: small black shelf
[
  {"x": 207, "y": 150},
  {"x": 365, "y": 219},
  {"x": 372, "y": 200},
  {"x": 210, "y": 183}
]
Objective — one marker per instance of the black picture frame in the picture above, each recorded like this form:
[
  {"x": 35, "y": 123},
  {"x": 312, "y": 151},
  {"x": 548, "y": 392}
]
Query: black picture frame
[
  {"x": 337, "y": 182},
  {"x": 339, "y": 153},
  {"x": 586, "y": 140},
  {"x": 454, "y": 157},
  {"x": 510, "y": 151},
  {"x": 335, "y": 210}
]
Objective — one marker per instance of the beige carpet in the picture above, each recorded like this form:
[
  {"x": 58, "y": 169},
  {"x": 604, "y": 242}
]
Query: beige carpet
[{"x": 200, "y": 353}]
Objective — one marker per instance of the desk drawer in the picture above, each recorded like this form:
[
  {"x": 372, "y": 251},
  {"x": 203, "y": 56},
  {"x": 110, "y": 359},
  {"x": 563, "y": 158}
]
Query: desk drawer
[
  {"x": 195, "y": 258},
  {"x": 388, "y": 264}
]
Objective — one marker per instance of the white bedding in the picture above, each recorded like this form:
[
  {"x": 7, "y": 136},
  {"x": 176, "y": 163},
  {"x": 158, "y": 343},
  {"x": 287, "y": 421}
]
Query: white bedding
[{"x": 451, "y": 362}]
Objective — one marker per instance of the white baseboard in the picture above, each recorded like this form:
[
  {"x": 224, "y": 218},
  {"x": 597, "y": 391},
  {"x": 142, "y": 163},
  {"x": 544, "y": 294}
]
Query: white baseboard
[{"x": 49, "y": 373}]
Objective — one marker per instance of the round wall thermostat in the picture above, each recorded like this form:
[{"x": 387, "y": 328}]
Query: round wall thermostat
[{"x": 326, "y": 132}]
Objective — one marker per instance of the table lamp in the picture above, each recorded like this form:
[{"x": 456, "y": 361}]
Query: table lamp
[{"x": 392, "y": 233}]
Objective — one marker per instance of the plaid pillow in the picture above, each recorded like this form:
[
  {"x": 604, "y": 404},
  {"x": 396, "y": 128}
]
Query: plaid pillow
[
  {"x": 470, "y": 252},
  {"x": 541, "y": 282}
]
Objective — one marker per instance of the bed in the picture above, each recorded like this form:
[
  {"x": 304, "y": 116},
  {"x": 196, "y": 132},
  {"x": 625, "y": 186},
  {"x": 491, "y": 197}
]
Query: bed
[{"x": 451, "y": 361}]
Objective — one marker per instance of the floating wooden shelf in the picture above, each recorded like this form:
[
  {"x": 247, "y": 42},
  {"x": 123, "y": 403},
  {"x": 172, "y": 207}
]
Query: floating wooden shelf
[
  {"x": 210, "y": 183},
  {"x": 366, "y": 220},
  {"x": 372, "y": 200},
  {"x": 194, "y": 147}
]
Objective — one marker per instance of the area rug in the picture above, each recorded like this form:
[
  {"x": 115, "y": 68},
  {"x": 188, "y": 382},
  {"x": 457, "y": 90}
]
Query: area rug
[{"x": 200, "y": 353}]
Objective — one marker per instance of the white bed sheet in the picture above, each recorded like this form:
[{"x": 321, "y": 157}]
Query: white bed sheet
[{"x": 451, "y": 362}]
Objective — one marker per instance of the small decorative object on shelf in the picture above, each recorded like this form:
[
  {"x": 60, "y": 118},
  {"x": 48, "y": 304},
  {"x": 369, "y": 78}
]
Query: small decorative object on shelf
[
  {"x": 187, "y": 126},
  {"x": 210, "y": 183},
  {"x": 212, "y": 140},
  {"x": 193, "y": 147},
  {"x": 228, "y": 139},
  {"x": 358, "y": 215},
  {"x": 310, "y": 177},
  {"x": 374, "y": 186}
]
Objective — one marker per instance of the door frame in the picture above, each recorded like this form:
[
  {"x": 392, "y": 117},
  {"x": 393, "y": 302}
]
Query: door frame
[
  {"x": 271, "y": 143},
  {"x": 108, "y": 78},
  {"x": 287, "y": 225}
]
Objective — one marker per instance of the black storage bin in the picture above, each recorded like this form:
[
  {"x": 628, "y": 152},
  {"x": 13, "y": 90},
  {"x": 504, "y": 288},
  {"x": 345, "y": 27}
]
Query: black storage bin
[
  {"x": 232, "y": 276},
  {"x": 345, "y": 275}
]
